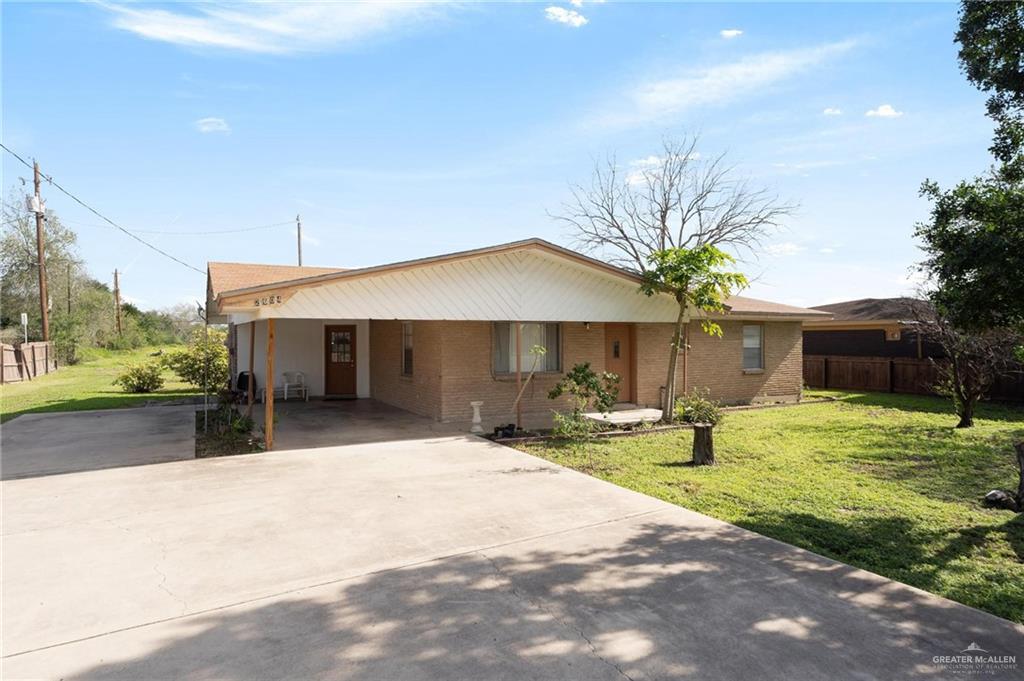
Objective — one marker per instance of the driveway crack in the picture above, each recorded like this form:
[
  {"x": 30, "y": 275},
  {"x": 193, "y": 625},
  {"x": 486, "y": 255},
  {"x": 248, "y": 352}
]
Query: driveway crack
[
  {"x": 162, "y": 584},
  {"x": 539, "y": 605}
]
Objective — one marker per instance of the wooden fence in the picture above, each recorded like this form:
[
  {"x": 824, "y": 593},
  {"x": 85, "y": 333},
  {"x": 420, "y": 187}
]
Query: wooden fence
[
  {"x": 26, "y": 361},
  {"x": 891, "y": 374}
]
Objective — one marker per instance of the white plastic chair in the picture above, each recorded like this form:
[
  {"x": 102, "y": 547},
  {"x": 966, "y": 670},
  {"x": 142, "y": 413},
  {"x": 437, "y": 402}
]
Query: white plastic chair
[{"x": 296, "y": 381}]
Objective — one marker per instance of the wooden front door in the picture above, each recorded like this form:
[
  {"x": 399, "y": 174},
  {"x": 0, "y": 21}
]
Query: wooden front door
[
  {"x": 340, "y": 362},
  {"x": 618, "y": 357}
]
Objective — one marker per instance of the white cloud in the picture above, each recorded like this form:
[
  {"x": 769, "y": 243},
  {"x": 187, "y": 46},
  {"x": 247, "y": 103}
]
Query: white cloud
[
  {"x": 576, "y": 3},
  {"x": 275, "y": 28},
  {"x": 827, "y": 250},
  {"x": 308, "y": 238},
  {"x": 730, "y": 33},
  {"x": 832, "y": 111},
  {"x": 784, "y": 249},
  {"x": 569, "y": 17},
  {"x": 659, "y": 99},
  {"x": 884, "y": 111},
  {"x": 211, "y": 124}
]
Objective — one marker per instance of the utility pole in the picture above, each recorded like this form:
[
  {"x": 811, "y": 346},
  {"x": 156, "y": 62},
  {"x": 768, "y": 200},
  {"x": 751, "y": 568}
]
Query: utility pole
[
  {"x": 298, "y": 236},
  {"x": 117, "y": 301},
  {"x": 69, "y": 290},
  {"x": 44, "y": 312}
]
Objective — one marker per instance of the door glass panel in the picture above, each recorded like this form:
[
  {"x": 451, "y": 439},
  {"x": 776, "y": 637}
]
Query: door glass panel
[{"x": 341, "y": 346}]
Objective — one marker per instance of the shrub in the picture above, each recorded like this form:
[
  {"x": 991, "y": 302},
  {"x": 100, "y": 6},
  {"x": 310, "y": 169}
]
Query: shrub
[
  {"x": 201, "y": 358},
  {"x": 572, "y": 426},
  {"x": 141, "y": 378},
  {"x": 588, "y": 388},
  {"x": 698, "y": 407}
]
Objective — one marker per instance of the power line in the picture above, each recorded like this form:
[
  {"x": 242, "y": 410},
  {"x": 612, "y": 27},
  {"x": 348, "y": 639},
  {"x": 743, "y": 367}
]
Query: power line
[
  {"x": 101, "y": 215},
  {"x": 193, "y": 233}
]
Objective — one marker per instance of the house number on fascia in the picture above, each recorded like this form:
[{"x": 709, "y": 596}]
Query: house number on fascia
[{"x": 268, "y": 300}]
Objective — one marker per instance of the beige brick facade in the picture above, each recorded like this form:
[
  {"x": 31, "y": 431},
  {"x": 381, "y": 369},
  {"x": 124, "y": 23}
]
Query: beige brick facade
[{"x": 453, "y": 366}]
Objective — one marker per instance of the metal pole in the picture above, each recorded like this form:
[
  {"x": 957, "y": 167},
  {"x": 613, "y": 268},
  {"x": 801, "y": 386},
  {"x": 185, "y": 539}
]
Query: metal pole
[{"x": 298, "y": 236}]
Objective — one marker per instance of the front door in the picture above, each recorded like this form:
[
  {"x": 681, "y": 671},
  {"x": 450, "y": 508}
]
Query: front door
[
  {"x": 618, "y": 357},
  {"x": 340, "y": 363}
]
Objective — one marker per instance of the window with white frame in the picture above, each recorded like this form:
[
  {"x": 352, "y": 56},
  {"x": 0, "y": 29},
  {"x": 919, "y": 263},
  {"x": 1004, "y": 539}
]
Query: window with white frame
[
  {"x": 533, "y": 334},
  {"x": 407, "y": 348},
  {"x": 753, "y": 346}
]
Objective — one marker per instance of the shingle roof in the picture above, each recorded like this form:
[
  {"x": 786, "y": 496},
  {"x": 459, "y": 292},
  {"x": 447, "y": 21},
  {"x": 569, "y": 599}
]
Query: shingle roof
[
  {"x": 744, "y": 305},
  {"x": 874, "y": 309},
  {"x": 230, "y": 276}
]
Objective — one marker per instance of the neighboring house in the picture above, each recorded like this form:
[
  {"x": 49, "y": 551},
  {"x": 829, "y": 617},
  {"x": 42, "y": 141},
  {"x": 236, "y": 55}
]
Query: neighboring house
[
  {"x": 870, "y": 327},
  {"x": 432, "y": 335}
]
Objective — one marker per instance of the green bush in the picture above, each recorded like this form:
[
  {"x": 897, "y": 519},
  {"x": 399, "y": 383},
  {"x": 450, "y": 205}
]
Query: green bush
[
  {"x": 202, "y": 358},
  {"x": 698, "y": 407},
  {"x": 141, "y": 378},
  {"x": 572, "y": 426},
  {"x": 588, "y": 388}
]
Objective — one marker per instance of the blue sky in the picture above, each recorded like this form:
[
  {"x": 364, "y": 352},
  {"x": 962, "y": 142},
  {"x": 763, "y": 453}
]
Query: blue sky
[{"x": 407, "y": 130}]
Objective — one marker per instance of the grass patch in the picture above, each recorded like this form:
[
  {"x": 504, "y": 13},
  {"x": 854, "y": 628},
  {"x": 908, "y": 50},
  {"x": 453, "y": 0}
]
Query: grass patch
[
  {"x": 883, "y": 482},
  {"x": 87, "y": 385}
]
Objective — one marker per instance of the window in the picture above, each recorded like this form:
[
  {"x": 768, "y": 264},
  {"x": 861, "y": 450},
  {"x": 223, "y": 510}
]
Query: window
[
  {"x": 341, "y": 346},
  {"x": 753, "y": 346},
  {"x": 407, "y": 348},
  {"x": 533, "y": 333}
]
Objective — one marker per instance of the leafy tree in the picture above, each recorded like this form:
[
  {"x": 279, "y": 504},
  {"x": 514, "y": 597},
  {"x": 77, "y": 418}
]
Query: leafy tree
[
  {"x": 991, "y": 38},
  {"x": 697, "y": 281},
  {"x": 19, "y": 270},
  {"x": 974, "y": 243},
  {"x": 974, "y": 240}
]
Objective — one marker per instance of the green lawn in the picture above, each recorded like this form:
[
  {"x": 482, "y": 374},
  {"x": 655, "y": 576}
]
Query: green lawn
[
  {"x": 879, "y": 481},
  {"x": 86, "y": 385}
]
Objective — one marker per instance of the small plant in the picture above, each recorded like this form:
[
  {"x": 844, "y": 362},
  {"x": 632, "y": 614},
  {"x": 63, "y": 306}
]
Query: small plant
[
  {"x": 588, "y": 388},
  {"x": 141, "y": 378},
  {"x": 698, "y": 407},
  {"x": 572, "y": 426}
]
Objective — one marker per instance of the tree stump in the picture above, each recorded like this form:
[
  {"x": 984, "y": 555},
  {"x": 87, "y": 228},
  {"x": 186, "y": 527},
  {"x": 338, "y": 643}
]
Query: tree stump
[{"x": 703, "y": 445}]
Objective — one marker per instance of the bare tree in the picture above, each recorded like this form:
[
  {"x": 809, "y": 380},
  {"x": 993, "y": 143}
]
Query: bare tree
[
  {"x": 675, "y": 200},
  {"x": 643, "y": 219},
  {"x": 974, "y": 361}
]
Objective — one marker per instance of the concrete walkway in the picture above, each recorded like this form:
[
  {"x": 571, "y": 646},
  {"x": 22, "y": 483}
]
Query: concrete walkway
[
  {"x": 449, "y": 558},
  {"x": 66, "y": 442}
]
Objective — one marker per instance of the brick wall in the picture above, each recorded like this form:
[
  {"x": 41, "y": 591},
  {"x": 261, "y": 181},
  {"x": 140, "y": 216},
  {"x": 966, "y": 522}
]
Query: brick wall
[
  {"x": 419, "y": 393},
  {"x": 468, "y": 374},
  {"x": 717, "y": 363},
  {"x": 453, "y": 366}
]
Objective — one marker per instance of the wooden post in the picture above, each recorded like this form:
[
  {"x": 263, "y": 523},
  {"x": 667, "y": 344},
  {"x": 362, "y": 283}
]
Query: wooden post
[
  {"x": 519, "y": 374},
  {"x": 252, "y": 359},
  {"x": 117, "y": 302},
  {"x": 44, "y": 302},
  {"x": 268, "y": 404}
]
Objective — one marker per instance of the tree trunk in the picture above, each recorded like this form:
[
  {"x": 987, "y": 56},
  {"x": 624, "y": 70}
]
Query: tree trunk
[
  {"x": 966, "y": 413},
  {"x": 668, "y": 407},
  {"x": 1020, "y": 475},
  {"x": 703, "y": 445}
]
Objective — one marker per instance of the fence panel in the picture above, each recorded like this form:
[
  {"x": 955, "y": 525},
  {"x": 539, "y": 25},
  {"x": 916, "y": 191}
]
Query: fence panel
[
  {"x": 897, "y": 374},
  {"x": 26, "y": 361}
]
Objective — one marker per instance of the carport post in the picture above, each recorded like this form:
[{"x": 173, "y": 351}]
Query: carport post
[
  {"x": 252, "y": 360},
  {"x": 268, "y": 402},
  {"x": 519, "y": 374}
]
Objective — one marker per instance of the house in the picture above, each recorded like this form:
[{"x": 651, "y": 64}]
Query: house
[
  {"x": 433, "y": 335},
  {"x": 870, "y": 327}
]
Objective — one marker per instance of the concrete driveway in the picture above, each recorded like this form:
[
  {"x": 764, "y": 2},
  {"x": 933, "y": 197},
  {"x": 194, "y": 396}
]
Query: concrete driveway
[
  {"x": 450, "y": 558},
  {"x": 66, "y": 442}
]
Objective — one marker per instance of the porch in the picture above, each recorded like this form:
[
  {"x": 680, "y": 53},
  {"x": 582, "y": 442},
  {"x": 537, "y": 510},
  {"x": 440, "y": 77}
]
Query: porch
[{"x": 333, "y": 423}]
